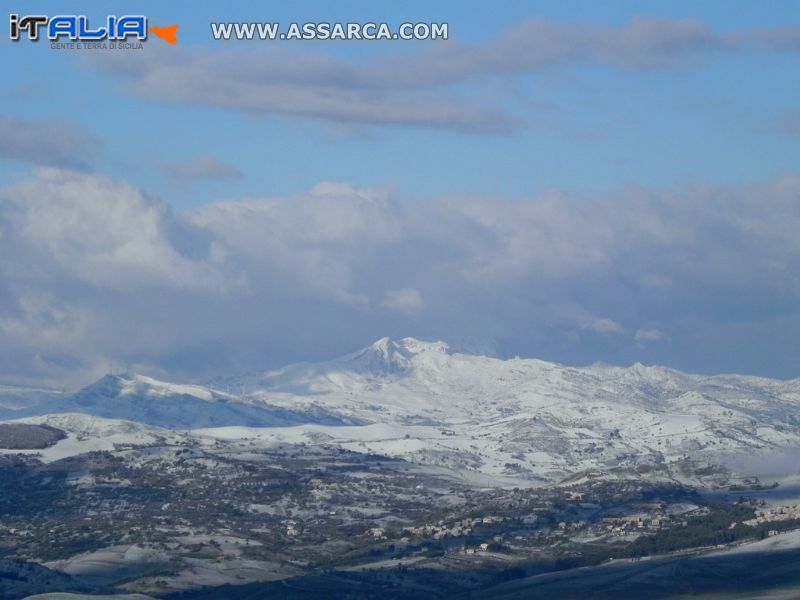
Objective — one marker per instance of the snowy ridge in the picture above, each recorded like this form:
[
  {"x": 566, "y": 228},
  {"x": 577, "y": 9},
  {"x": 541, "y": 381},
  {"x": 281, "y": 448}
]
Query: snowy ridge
[
  {"x": 533, "y": 418},
  {"x": 523, "y": 418},
  {"x": 176, "y": 406}
]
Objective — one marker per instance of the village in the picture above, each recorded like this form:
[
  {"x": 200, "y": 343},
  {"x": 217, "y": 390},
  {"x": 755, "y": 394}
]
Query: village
[
  {"x": 773, "y": 514},
  {"x": 307, "y": 508}
]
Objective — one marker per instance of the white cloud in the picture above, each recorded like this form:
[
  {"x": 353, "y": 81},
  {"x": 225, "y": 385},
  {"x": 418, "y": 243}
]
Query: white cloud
[
  {"x": 93, "y": 269},
  {"x": 72, "y": 226},
  {"x": 648, "y": 335},
  {"x": 407, "y": 301},
  {"x": 603, "y": 325}
]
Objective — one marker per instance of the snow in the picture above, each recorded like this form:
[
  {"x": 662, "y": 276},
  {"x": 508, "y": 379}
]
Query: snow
[
  {"x": 86, "y": 433},
  {"x": 139, "y": 384},
  {"x": 520, "y": 419},
  {"x": 548, "y": 419},
  {"x": 174, "y": 406},
  {"x": 783, "y": 541},
  {"x": 108, "y": 560}
]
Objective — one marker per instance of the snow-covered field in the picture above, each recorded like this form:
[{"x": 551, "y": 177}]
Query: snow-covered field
[
  {"x": 783, "y": 541},
  {"x": 86, "y": 433}
]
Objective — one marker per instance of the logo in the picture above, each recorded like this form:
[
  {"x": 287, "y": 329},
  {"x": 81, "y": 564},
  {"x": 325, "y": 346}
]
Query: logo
[
  {"x": 165, "y": 33},
  {"x": 77, "y": 28}
]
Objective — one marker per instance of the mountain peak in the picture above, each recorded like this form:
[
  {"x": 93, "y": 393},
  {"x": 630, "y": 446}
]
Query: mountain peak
[
  {"x": 384, "y": 357},
  {"x": 417, "y": 346},
  {"x": 387, "y": 357},
  {"x": 112, "y": 386},
  {"x": 381, "y": 346},
  {"x": 387, "y": 345}
]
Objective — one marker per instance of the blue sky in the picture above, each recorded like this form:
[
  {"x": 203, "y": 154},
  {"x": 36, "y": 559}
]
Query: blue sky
[
  {"x": 511, "y": 161},
  {"x": 595, "y": 128}
]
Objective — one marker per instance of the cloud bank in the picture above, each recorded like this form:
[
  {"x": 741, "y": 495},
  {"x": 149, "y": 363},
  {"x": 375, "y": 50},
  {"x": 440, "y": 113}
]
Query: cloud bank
[{"x": 93, "y": 270}]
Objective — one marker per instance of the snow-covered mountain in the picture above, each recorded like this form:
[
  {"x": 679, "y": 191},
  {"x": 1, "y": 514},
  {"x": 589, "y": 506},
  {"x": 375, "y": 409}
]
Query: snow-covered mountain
[
  {"x": 521, "y": 418},
  {"x": 175, "y": 406},
  {"x": 534, "y": 418}
]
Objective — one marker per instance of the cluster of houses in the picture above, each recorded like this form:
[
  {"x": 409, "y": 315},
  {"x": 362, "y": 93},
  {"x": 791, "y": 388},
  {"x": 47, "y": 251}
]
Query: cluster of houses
[
  {"x": 776, "y": 513},
  {"x": 484, "y": 547},
  {"x": 650, "y": 517},
  {"x": 291, "y": 528},
  {"x": 378, "y": 533},
  {"x": 442, "y": 529},
  {"x": 634, "y": 523}
]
